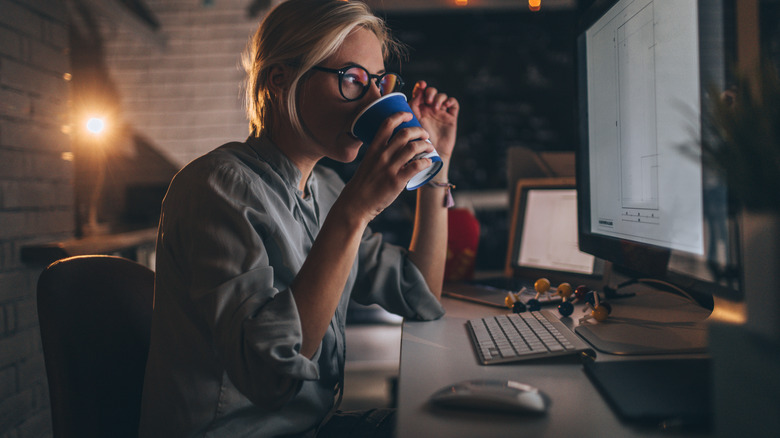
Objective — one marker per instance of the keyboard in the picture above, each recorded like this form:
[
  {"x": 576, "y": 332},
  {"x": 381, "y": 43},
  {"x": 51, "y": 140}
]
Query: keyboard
[{"x": 522, "y": 336}]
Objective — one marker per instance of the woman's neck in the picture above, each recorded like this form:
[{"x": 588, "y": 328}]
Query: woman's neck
[{"x": 292, "y": 146}]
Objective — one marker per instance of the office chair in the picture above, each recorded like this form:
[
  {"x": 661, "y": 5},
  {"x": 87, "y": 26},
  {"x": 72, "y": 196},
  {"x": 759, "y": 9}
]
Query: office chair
[{"x": 95, "y": 316}]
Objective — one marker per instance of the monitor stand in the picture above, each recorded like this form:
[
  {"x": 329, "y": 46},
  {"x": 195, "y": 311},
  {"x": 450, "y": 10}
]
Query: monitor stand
[{"x": 651, "y": 322}]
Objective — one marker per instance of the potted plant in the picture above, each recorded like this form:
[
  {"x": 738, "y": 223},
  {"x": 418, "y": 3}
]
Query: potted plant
[
  {"x": 743, "y": 145},
  {"x": 745, "y": 141}
]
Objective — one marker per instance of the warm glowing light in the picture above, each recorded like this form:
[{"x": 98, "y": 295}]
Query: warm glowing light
[
  {"x": 462, "y": 2},
  {"x": 67, "y": 76},
  {"x": 96, "y": 125},
  {"x": 534, "y": 5}
]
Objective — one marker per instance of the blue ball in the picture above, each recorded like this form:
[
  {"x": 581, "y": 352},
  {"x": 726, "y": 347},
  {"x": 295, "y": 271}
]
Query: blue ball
[{"x": 518, "y": 307}]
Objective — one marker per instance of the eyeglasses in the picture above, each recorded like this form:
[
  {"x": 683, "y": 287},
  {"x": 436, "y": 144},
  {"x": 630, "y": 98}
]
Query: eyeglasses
[{"x": 355, "y": 80}]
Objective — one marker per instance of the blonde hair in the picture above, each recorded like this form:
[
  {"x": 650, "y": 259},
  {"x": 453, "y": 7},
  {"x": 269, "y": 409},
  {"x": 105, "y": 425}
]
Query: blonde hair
[{"x": 300, "y": 34}]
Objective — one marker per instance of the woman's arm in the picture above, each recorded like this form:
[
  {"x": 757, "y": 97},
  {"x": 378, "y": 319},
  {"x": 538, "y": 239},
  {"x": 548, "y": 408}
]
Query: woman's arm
[
  {"x": 382, "y": 175},
  {"x": 438, "y": 114}
]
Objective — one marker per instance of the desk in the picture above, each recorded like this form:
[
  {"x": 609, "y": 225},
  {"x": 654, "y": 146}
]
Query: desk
[{"x": 435, "y": 354}]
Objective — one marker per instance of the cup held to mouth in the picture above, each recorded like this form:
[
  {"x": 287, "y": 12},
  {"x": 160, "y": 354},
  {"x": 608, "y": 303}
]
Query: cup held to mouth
[{"x": 370, "y": 119}]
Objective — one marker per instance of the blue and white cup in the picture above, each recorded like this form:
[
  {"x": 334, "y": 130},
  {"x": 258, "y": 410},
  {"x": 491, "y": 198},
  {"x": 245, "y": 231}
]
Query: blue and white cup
[{"x": 371, "y": 118}]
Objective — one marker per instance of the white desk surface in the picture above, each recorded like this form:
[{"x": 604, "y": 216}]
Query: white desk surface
[{"x": 435, "y": 354}]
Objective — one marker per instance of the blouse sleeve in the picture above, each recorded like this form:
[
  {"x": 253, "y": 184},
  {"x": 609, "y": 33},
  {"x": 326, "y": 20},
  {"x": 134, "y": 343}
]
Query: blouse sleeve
[
  {"x": 386, "y": 276},
  {"x": 225, "y": 241}
]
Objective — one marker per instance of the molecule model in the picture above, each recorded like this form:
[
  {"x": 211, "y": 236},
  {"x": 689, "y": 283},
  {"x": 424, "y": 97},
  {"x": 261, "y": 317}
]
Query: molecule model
[
  {"x": 513, "y": 302},
  {"x": 598, "y": 310},
  {"x": 580, "y": 292},
  {"x": 566, "y": 308},
  {"x": 542, "y": 286}
]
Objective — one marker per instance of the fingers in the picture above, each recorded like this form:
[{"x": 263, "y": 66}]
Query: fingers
[
  {"x": 396, "y": 150},
  {"x": 422, "y": 94},
  {"x": 452, "y": 106},
  {"x": 412, "y": 168},
  {"x": 404, "y": 147},
  {"x": 385, "y": 130},
  {"x": 418, "y": 89},
  {"x": 384, "y": 135},
  {"x": 411, "y": 151}
]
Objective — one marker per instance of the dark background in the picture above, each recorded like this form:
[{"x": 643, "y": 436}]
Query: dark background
[{"x": 513, "y": 73}]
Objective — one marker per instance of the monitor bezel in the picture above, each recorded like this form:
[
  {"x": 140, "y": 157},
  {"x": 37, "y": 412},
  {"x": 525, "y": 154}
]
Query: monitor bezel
[{"x": 641, "y": 259}]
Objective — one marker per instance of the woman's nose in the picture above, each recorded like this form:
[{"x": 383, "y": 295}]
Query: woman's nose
[{"x": 374, "y": 92}]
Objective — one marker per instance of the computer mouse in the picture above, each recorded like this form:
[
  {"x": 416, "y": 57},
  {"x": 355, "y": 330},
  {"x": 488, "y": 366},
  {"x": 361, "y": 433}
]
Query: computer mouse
[{"x": 493, "y": 395}]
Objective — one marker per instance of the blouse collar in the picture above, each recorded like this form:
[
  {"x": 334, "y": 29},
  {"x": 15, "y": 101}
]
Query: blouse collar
[{"x": 271, "y": 154}]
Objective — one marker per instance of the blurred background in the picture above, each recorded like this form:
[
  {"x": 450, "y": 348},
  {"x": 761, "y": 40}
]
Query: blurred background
[{"x": 103, "y": 101}]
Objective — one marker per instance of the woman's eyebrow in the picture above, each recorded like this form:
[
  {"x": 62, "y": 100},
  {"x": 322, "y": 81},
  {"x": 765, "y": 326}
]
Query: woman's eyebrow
[{"x": 355, "y": 64}]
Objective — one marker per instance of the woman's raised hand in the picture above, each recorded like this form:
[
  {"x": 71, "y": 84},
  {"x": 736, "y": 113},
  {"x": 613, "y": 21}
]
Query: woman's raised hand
[
  {"x": 438, "y": 114},
  {"x": 386, "y": 167}
]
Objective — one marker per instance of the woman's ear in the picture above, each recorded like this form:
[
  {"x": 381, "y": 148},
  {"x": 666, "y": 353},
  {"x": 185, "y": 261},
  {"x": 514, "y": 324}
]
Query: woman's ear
[{"x": 278, "y": 77}]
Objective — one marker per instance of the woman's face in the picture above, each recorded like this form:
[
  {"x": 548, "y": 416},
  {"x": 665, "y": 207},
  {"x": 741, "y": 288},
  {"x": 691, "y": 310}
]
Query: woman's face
[{"x": 327, "y": 117}]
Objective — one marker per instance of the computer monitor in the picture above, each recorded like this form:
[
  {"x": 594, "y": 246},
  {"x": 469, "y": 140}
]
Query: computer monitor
[
  {"x": 647, "y": 202},
  {"x": 543, "y": 234}
]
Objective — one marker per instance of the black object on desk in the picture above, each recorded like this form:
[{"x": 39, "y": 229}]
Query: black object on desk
[{"x": 673, "y": 393}]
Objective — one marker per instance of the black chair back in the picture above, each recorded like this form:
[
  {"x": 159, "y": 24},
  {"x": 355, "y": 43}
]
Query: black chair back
[{"x": 95, "y": 316}]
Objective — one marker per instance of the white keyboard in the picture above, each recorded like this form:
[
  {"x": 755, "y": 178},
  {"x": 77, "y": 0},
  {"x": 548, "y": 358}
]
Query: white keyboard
[{"x": 523, "y": 336}]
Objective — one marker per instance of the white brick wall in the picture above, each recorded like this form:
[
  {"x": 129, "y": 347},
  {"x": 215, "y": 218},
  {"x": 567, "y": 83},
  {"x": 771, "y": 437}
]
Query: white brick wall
[
  {"x": 186, "y": 96},
  {"x": 36, "y": 195}
]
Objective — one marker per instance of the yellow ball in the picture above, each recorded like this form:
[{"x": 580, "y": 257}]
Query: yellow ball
[
  {"x": 542, "y": 285},
  {"x": 565, "y": 290},
  {"x": 600, "y": 313}
]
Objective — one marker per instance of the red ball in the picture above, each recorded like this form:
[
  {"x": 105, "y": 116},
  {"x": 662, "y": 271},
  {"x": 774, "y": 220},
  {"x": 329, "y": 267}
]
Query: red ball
[{"x": 581, "y": 291}]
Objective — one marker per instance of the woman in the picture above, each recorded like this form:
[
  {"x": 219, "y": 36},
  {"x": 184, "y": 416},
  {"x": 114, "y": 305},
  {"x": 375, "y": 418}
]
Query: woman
[{"x": 259, "y": 249}]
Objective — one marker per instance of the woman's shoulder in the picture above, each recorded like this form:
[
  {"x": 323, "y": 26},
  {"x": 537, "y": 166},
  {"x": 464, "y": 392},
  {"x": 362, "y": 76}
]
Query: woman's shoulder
[
  {"x": 233, "y": 160},
  {"x": 229, "y": 171}
]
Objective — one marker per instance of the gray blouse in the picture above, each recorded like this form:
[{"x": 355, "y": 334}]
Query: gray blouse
[{"x": 224, "y": 359}]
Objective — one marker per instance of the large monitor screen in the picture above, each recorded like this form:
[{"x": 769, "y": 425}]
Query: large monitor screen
[
  {"x": 647, "y": 202},
  {"x": 642, "y": 76}
]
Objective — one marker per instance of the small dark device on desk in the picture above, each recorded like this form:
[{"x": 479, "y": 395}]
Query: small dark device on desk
[
  {"x": 542, "y": 243},
  {"x": 655, "y": 399},
  {"x": 654, "y": 208}
]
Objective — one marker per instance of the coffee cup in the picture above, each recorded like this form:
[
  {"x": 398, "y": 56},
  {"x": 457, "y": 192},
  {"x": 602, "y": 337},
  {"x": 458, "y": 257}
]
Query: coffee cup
[{"x": 371, "y": 118}]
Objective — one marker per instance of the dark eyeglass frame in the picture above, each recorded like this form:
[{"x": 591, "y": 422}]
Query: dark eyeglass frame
[{"x": 377, "y": 79}]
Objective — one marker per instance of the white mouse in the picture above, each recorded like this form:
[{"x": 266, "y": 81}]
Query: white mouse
[{"x": 493, "y": 395}]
